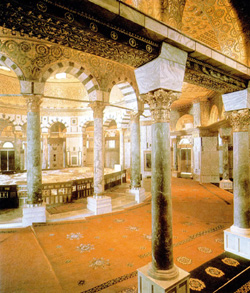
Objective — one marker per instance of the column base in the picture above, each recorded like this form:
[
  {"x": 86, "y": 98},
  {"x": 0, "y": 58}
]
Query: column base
[
  {"x": 139, "y": 194},
  {"x": 226, "y": 184},
  {"x": 99, "y": 204},
  {"x": 179, "y": 284},
  {"x": 34, "y": 213},
  {"x": 176, "y": 174},
  {"x": 237, "y": 241}
]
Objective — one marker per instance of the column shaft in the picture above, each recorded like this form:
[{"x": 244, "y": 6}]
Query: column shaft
[
  {"x": 225, "y": 175},
  {"x": 98, "y": 147},
  {"x": 241, "y": 180},
  {"x": 34, "y": 171},
  {"x": 122, "y": 148},
  {"x": 162, "y": 248},
  {"x": 135, "y": 164},
  {"x": 162, "y": 266}
]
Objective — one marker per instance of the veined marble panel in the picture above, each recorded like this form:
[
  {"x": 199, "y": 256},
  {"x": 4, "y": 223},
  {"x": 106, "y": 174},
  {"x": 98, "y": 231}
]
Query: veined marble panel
[
  {"x": 237, "y": 100},
  {"x": 166, "y": 72}
]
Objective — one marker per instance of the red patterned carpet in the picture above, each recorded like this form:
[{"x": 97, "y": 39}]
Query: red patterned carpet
[{"x": 102, "y": 253}]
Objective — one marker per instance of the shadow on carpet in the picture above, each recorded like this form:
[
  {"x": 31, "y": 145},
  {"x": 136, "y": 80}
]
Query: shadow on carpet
[{"x": 227, "y": 273}]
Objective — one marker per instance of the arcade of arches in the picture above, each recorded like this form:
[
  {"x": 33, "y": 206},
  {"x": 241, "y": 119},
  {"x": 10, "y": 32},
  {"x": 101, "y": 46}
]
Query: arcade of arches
[{"x": 144, "y": 86}]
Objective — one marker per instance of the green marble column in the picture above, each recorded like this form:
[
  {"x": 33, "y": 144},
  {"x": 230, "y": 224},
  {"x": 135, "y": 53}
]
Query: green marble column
[
  {"x": 98, "y": 108},
  {"x": 34, "y": 170},
  {"x": 240, "y": 121},
  {"x": 135, "y": 162},
  {"x": 162, "y": 266}
]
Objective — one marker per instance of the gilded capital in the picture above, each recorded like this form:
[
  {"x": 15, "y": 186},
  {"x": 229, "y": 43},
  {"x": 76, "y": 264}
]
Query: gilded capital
[
  {"x": 159, "y": 103},
  {"x": 135, "y": 116},
  {"x": 33, "y": 102},
  {"x": 239, "y": 119},
  {"x": 97, "y": 108}
]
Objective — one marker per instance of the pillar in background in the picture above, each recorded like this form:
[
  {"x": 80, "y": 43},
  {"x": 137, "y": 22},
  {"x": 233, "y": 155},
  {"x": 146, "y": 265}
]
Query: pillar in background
[
  {"x": 122, "y": 152},
  {"x": 237, "y": 237},
  {"x": 98, "y": 203},
  {"x": 225, "y": 183},
  {"x": 135, "y": 158},
  {"x": 18, "y": 147},
  {"x": 34, "y": 211},
  {"x": 45, "y": 148}
]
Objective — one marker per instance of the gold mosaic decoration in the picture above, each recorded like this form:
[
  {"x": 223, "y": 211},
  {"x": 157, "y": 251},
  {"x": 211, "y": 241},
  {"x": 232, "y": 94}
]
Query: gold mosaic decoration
[
  {"x": 196, "y": 284},
  {"x": 213, "y": 22},
  {"x": 230, "y": 262},
  {"x": 214, "y": 272}
]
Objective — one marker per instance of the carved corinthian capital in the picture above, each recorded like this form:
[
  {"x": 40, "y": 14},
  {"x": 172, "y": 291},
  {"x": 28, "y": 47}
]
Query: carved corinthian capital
[
  {"x": 33, "y": 102},
  {"x": 135, "y": 116},
  {"x": 239, "y": 119},
  {"x": 159, "y": 103},
  {"x": 97, "y": 108}
]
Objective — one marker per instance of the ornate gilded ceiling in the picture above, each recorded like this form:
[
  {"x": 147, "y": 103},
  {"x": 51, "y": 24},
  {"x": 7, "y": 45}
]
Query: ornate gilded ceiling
[{"x": 213, "y": 22}]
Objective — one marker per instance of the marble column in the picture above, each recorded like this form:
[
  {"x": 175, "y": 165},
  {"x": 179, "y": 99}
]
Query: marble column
[
  {"x": 98, "y": 108},
  {"x": 84, "y": 146},
  {"x": 45, "y": 150},
  {"x": 175, "y": 157},
  {"x": 225, "y": 183},
  {"x": 34, "y": 211},
  {"x": 18, "y": 147},
  {"x": 237, "y": 238},
  {"x": 122, "y": 152},
  {"x": 159, "y": 83},
  {"x": 162, "y": 266},
  {"x": 135, "y": 162},
  {"x": 98, "y": 203},
  {"x": 135, "y": 158}
]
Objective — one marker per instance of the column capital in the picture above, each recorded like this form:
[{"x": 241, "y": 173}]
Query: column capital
[
  {"x": 97, "y": 108},
  {"x": 134, "y": 116},
  {"x": 159, "y": 103},
  {"x": 239, "y": 119},
  {"x": 33, "y": 102}
]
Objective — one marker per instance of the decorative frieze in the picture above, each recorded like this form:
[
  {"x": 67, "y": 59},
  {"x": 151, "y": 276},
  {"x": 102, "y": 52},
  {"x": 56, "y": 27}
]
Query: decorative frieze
[
  {"x": 160, "y": 102},
  {"x": 202, "y": 74},
  {"x": 239, "y": 120}
]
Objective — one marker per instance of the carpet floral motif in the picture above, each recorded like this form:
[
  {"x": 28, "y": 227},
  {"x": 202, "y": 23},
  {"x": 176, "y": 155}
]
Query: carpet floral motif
[
  {"x": 184, "y": 260},
  {"x": 204, "y": 249},
  {"x": 196, "y": 284},
  {"x": 99, "y": 263},
  {"x": 230, "y": 262},
  {"x": 119, "y": 220},
  {"x": 147, "y": 237},
  {"x": 219, "y": 240},
  {"x": 133, "y": 228},
  {"x": 73, "y": 236},
  {"x": 85, "y": 247},
  {"x": 214, "y": 272}
]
